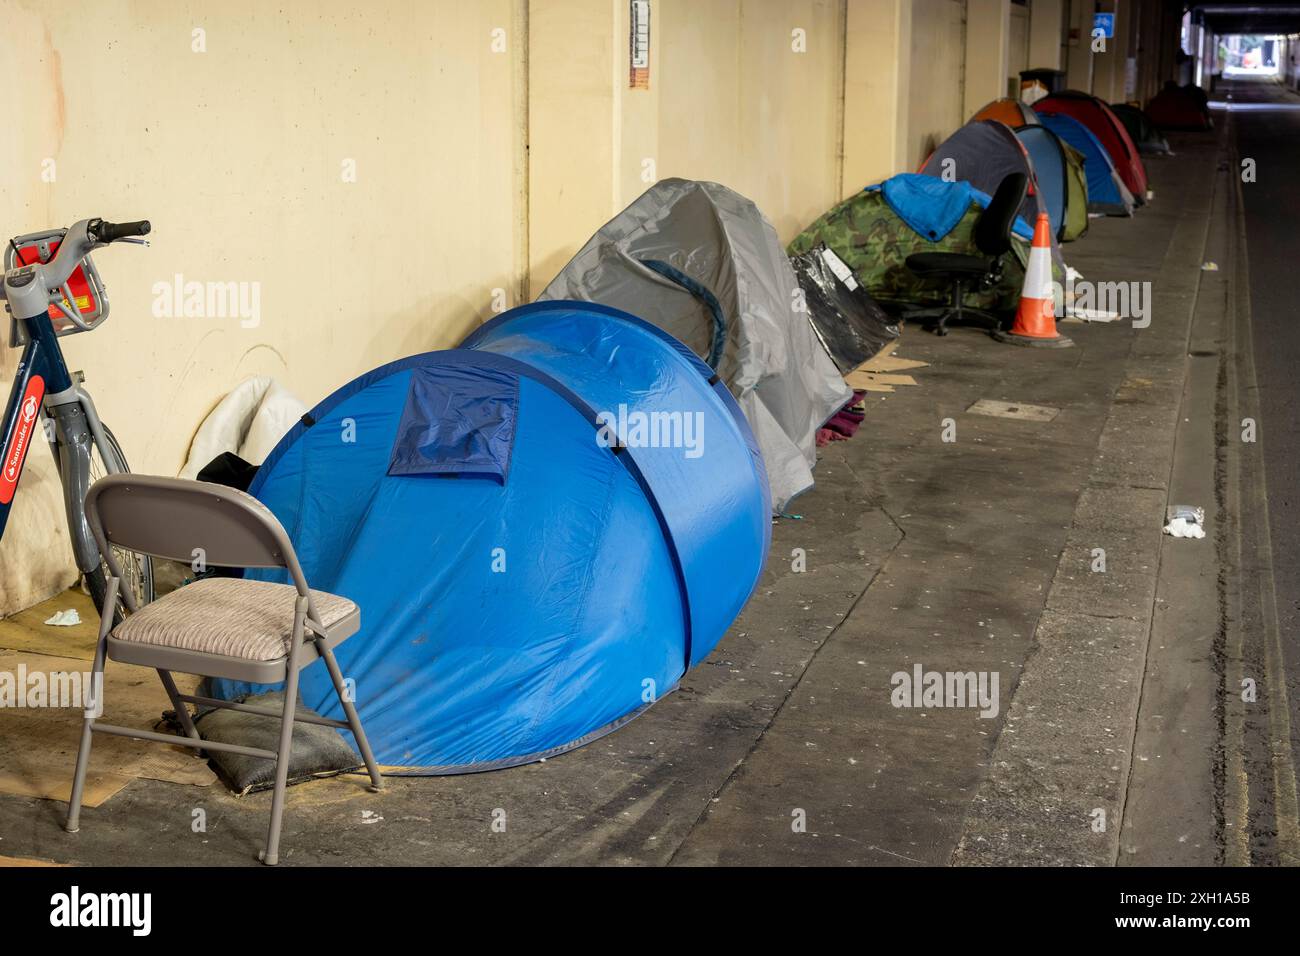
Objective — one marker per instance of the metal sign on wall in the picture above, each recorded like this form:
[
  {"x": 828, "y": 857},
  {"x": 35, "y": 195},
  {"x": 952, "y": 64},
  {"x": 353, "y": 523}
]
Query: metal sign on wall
[
  {"x": 1104, "y": 22},
  {"x": 639, "y": 46}
]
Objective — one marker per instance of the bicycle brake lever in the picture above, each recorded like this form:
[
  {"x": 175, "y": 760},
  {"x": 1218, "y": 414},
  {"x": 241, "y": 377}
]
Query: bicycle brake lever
[{"x": 135, "y": 240}]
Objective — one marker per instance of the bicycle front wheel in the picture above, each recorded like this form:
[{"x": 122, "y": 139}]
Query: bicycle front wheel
[{"x": 137, "y": 569}]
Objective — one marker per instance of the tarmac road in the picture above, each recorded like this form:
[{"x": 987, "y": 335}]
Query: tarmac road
[{"x": 1266, "y": 123}]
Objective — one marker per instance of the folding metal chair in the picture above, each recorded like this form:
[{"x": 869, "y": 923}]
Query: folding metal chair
[{"x": 244, "y": 630}]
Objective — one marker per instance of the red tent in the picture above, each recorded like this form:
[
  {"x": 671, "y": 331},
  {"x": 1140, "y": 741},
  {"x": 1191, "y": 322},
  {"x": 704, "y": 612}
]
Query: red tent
[
  {"x": 1179, "y": 107},
  {"x": 1107, "y": 127}
]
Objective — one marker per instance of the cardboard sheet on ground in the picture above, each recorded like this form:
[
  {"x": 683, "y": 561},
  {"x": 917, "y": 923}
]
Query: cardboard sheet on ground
[
  {"x": 891, "y": 363},
  {"x": 24, "y": 861},
  {"x": 890, "y": 378},
  {"x": 38, "y": 746},
  {"x": 883, "y": 371},
  {"x": 877, "y": 382},
  {"x": 27, "y": 630}
]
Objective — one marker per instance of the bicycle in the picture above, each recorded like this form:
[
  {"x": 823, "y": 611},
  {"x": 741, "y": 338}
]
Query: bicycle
[{"x": 51, "y": 289}]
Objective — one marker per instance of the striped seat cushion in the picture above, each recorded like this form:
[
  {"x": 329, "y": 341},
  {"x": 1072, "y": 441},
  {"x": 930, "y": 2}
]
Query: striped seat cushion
[{"x": 252, "y": 620}]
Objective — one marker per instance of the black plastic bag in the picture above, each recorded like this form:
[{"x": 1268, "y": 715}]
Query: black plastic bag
[{"x": 230, "y": 470}]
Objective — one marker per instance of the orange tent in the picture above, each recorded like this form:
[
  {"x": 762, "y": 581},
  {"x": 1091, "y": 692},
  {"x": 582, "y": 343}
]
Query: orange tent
[{"x": 1012, "y": 112}]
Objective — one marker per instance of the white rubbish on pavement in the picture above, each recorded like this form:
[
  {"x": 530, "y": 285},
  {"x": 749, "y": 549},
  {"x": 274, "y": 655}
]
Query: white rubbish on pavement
[
  {"x": 1182, "y": 528},
  {"x": 1185, "y": 521},
  {"x": 1091, "y": 315},
  {"x": 68, "y": 618},
  {"x": 1209, "y": 266}
]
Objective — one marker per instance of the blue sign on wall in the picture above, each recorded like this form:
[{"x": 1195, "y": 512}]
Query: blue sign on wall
[{"x": 1105, "y": 22}]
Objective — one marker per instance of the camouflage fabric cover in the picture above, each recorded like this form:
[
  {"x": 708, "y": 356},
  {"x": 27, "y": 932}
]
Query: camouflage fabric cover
[{"x": 875, "y": 243}]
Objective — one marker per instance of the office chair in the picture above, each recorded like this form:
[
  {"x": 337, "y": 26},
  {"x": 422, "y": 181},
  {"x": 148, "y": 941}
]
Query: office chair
[{"x": 965, "y": 272}]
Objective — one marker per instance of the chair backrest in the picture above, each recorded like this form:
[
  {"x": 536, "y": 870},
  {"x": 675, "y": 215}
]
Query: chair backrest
[
  {"x": 993, "y": 228},
  {"x": 184, "y": 520}
]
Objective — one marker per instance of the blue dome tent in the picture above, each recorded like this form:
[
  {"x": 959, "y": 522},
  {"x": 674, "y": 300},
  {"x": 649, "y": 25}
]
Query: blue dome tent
[
  {"x": 1106, "y": 191},
  {"x": 544, "y": 529},
  {"x": 1049, "y": 171}
]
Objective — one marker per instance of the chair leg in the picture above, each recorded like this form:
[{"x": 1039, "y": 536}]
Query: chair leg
[
  {"x": 182, "y": 713},
  {"x": 354, "y": 720},
  {"x": 953, "y": 310},
  {"x": 73, "y": 821},
  {"x": 271, "y": 855}
]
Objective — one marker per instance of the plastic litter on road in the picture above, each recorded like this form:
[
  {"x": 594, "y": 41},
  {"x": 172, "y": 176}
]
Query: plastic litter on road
[{"x": 1185, "y": 521}]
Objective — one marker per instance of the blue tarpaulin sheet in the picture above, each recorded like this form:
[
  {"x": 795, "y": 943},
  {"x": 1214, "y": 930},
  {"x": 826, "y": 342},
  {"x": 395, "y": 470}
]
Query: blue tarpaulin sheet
[{"x": 933, "y": 207}]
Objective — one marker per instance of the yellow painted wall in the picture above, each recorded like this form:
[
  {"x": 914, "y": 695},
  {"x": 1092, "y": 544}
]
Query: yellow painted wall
[
  {"x": 1018, "y": 50},
  {"x": 771, "y": 73},
  {"x": 877, "y": 93},
  {"x": 236, "y": 155},
  {"x": 937, "y": 64},
  {"x": 742, "y": 92},
  {"x": 572, "y": 51}
]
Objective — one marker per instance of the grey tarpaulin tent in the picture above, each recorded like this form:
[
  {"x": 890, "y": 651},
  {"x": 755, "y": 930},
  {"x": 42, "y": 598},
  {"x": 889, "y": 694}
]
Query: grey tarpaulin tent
[{"x": 702, "y": 263}]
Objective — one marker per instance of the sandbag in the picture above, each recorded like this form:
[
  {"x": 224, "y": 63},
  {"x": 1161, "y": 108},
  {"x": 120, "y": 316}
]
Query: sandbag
[{"x": 316, "y": 751}]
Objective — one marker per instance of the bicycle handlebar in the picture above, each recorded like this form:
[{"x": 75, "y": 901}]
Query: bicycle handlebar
[
  {"x": 84, "y": 237},
  {"x": 105, "y": 232},
  {"x": 80, "y": 239},
  {"x": 75, "y": 244}
]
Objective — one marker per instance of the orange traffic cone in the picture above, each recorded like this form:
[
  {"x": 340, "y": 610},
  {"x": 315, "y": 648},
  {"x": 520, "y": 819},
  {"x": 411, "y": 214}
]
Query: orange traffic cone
[{"x": 1035, "y": 323}]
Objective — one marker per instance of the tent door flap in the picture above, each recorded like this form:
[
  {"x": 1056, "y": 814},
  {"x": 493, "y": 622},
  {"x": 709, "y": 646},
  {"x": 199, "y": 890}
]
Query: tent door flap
[{"x": 458, "y": 421}]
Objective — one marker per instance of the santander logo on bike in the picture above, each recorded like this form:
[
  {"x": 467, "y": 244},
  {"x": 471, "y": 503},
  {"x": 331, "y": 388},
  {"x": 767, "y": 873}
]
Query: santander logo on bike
[{"x": 17, "y": 451}]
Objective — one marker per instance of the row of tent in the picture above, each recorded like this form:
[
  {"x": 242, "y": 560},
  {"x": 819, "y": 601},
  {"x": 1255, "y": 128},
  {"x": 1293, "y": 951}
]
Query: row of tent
[
  {"x": 1081, "y": 156},
  {"x": 702, "y": 262},
  {"x": 627, "y": 563},
  {"x": 1078, "y": 152}
]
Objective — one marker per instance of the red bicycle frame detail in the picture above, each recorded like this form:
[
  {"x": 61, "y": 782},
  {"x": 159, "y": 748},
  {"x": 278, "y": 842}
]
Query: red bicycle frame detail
[{"x": 15, "y": 453}]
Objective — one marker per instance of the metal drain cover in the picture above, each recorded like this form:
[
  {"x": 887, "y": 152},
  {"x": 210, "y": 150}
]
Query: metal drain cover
[{"x": 1021, "y": 410}]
